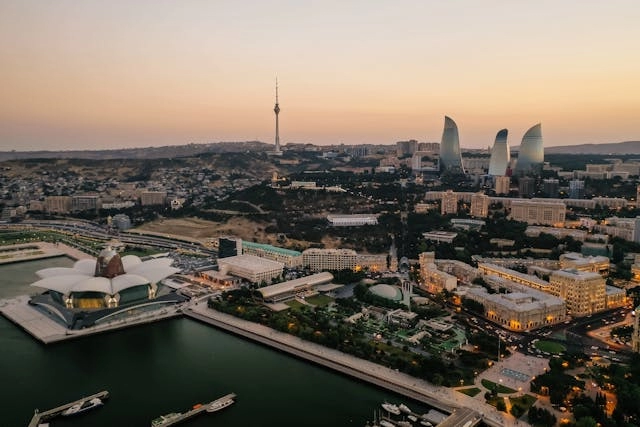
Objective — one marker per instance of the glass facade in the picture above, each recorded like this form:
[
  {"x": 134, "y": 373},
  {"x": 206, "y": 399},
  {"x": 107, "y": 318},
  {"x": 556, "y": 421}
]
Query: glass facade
[
  {"x": 500, "y": 154},
  {"x": 450, "y": 158},
  {"x": 531, "y": 155}
]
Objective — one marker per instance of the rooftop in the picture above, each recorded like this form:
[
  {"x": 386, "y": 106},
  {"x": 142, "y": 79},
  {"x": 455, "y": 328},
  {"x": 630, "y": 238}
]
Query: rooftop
[
  {"x": 250, "y": 262},
  {"x": 270, "y": 248}
]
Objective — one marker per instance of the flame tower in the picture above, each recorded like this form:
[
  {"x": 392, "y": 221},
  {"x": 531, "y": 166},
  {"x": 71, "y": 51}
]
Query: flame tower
[{"x": 276, "y": 110}]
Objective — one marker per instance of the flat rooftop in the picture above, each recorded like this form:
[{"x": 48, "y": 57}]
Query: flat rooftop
[{"x": 250, "y": 262}]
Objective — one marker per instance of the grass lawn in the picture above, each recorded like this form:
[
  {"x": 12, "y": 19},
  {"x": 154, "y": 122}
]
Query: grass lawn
[
  {"x": 295, "y": 304},
  {"x": 550, "y": 347},
  {"x": 319, "y": 300},
  {"x": 470, "y": 391},
  {"x": 490, "y": 385}
]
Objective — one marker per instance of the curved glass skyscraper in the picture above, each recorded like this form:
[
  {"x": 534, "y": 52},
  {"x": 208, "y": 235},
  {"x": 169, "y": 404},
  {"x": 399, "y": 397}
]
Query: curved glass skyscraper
[
  {"x": 500, "y": 154},
  {"x": 531, "y": 155},
  {"x": 450, "y": 158}
]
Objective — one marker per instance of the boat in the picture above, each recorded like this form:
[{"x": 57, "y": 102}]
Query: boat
[
  {"x": 385, "y": 423},
  {"x": 426, "y": 423},
  {"x": 219, "y": 404},
  {"x": 389, "y": 407},
  {"x": 165, "y": 419},
  {"x": 413, "y": 418},
  {"x": 80, "y": 407},
  {"x": 403, "y": 424},
  {"x": 404, "y": 408}
]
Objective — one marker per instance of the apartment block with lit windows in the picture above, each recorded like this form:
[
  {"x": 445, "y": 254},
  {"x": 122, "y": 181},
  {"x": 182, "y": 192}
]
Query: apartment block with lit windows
[{"x": 538, "y": 212}]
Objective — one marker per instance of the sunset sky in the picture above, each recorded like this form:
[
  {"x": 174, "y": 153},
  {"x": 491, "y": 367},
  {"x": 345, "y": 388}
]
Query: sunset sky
[{"x": 89, "y": 74}]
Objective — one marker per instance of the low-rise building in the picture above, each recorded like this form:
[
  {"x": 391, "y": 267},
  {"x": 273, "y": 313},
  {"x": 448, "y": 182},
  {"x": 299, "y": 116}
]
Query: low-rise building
[
  {"x": 290, "y": 258},
  {"x": 576, "y": 261},
  {"x": 584, "y": 292},
  {"x": 467, "y": 224},
  {"x": 435, "y": 281},
  {"x": 151, "y": 198},
  {"x": 329, "y": 259},
  {"x": 624, "y": 228},
  {"x": 521, "y": 309},
  {"x": 615, "y": 297},
  {"x": 352, "y": 220},
  {"x": 538, "y": 212},
  {"x": 300, "y": 287},
  {"x": 527, "y": 280},
  {"x": 250, "y": 267},
  {"x": 558, "y": 233},
  {"x": 371, "y": 262},
  {"x": 58, "y": 204},
  {"x": 440, "y": 236}
]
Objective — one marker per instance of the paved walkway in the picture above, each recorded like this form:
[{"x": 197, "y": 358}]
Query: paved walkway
[{"x": 503, "y": 372}]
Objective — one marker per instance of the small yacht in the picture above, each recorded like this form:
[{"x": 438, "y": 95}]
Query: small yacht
[{"x": 85, "y": 405}]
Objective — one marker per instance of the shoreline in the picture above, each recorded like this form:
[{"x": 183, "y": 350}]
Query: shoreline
[{"x": 457, "y": 404}]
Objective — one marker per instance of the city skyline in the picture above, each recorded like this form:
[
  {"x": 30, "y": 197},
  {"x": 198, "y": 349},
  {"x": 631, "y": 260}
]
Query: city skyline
[{"x": 96, "y": 75}]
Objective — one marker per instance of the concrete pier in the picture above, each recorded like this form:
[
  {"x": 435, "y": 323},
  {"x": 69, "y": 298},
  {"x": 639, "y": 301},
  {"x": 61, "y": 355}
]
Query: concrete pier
[
  {"x": 197, "y": 410},
  {"x": 52, "y": 413},
  {"x": 46, "y": 330}
]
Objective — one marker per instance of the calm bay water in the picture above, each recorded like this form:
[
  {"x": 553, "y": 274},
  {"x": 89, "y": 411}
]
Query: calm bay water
[{"x": 167, "y": 367}]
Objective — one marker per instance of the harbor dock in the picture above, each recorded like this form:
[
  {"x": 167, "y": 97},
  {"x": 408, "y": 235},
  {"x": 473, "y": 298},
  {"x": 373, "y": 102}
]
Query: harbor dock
[
  {"x": 38, "y": 416},
  {"x": 178, "y": 418}
]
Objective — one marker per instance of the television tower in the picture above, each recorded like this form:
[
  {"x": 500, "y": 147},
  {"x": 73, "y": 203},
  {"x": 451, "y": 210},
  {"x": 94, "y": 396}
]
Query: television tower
[{"x": 276, "y": 110}]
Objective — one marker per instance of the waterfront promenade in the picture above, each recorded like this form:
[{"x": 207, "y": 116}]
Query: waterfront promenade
[
  {"x": 439, "y": 397},
  {"x": 38, "y": 250}
]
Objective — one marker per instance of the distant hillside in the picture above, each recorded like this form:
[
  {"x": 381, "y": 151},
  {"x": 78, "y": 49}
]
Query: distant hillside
[
  {"x": 169, "y": 151},
  {"x": 628, "y": 147}
]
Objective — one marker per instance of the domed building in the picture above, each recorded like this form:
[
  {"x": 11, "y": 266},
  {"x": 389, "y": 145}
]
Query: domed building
[
  {"x": 96, "y": 289},
  {"x": 387, "y": 291}
]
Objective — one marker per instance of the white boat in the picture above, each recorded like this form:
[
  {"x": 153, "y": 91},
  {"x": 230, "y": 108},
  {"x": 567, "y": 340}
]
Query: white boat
[
  {"x": 85, "y": 405},
  {"x": 391, "y": 408},
  {"x": 219, "y": 404},
  {"x": 426, "y": 423},
  {"x": 385, "y": 423},
  {"x": 404, "y": 408},
  {"x": 403, "y": 424},
  {"x": 413, "y": 418}
]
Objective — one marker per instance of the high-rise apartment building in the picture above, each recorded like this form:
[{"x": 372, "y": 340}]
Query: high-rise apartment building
[
  {"x": 550, "y": 187},
  {"x": 480, "y": 205},
  {"x": 576, "y": 189},
  {"x": 526, "y": 186},
  {"x": 502, "y": 184},
  {"x": 449, "y": 203}
]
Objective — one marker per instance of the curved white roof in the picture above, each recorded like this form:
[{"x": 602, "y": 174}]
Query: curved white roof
[
  {"x": 81, "y": 277},
  {"x": 126, "y": 281},
  {"x": 55, "y": 271},
  {"x": 130, "y": 261},
  {"x": 386, "y": 291},
  {"x": 87, "y": 266}
]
